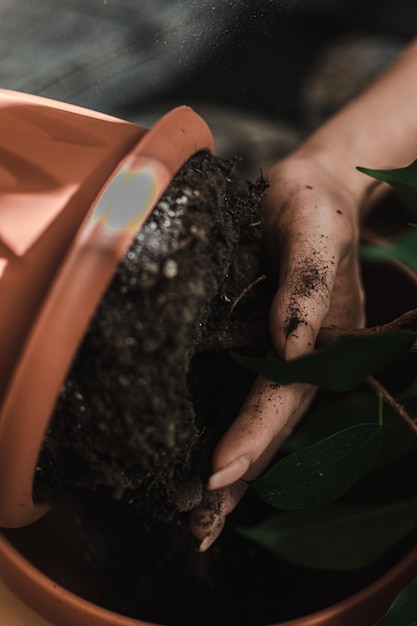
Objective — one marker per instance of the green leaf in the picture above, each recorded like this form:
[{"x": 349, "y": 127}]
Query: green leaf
[
  {"x": 403, "y": 611},
  {"x": 340, "y": 367},
  {"x": 334, "y": 412},
  {"x": 403, "y": 179},
  {"x": 403, "y": 249},
  {"x": 335, "y": 537},
  {"x": 322, "y": 472}
]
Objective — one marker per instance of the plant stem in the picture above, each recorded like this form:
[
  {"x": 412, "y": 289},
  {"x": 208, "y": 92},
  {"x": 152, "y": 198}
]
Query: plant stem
[
  {"x": 254, "y": 333},
  {"x": 376, "y": 386},
  {"x": 407, "y": 321},
  {"x": 246, "y": 290}
]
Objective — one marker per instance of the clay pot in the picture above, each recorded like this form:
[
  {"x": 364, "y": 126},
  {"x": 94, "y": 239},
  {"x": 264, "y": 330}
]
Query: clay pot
[
  {"x": 22, "y": 557},
  {"x": 66, "y": 169},
  {"x": 77, "y": 187}
]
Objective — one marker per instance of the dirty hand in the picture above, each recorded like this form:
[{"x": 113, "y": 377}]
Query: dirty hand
[
  {"x": 311, "y": 216},
  {"x": 310, "y": 219}
]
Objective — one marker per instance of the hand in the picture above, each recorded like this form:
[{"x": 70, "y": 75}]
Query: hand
[{"x": 311, "y": 232}]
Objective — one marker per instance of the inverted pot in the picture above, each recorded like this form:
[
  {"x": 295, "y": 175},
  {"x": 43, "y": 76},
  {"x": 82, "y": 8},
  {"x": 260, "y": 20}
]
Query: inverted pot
[{"x": 76, "y": 186}]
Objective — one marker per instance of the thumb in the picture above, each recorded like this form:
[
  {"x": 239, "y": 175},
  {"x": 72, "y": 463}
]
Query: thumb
[{"x": 302, "y": 301}]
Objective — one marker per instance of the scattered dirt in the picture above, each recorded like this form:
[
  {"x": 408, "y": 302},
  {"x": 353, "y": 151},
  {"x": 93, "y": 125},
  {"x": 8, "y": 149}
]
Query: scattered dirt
[{"x": 308, "y": 277}]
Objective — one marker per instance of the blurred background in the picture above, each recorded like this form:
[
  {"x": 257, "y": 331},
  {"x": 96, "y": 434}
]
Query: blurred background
[{"x": 262, "y": 73}]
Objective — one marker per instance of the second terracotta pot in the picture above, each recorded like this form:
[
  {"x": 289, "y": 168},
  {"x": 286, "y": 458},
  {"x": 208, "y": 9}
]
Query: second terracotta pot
[{"x": 62, "y": 607}]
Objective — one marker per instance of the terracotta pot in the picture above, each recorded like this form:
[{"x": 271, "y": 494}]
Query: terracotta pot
[
  {"x": 65, "y": 170},
  {"x": 62, "y": 607},
  {"x": 77, "y": 187}
]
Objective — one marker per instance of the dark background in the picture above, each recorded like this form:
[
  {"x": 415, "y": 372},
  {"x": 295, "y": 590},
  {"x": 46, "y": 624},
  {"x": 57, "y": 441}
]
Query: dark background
[
  {"x": 123, "y": 56},
  {"x": 262, "y": 73}
]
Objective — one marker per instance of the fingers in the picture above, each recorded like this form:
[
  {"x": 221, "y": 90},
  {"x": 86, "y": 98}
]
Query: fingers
[
  {"x": 315, "y": 290},
  {"x": 207, "y": 520},
  {"x": 264, "y": 415},
  {"x": 315, "y": 244},
  {"x": 271, "y": 411},
  {"x": 302, "y": 302},
  {"x": 347, "y": 301},
  {"x": 313, "y": 231},
  {"x": 267, "y": 418}
]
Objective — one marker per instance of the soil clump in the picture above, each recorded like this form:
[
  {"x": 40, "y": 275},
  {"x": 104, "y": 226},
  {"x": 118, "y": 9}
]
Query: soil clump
[{"x": 126, "y": 418}]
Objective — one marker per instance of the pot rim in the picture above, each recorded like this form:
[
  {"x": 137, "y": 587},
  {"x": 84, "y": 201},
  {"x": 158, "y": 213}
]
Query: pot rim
[
  {"x": 52, "y": 601},
  {"x": 76, "y": 290},
  {"x": 64, "y": 608},
  {"x": 383, "y": 591}
]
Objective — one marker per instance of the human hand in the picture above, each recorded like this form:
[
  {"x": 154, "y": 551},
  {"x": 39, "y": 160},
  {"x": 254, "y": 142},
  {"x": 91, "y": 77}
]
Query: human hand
[{"x": 311, "y": 232}]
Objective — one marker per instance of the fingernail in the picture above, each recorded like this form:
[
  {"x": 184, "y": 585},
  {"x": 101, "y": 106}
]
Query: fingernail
[
  {"x": 229, "y": 474},
  {"x": 212, "y": 535}
]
